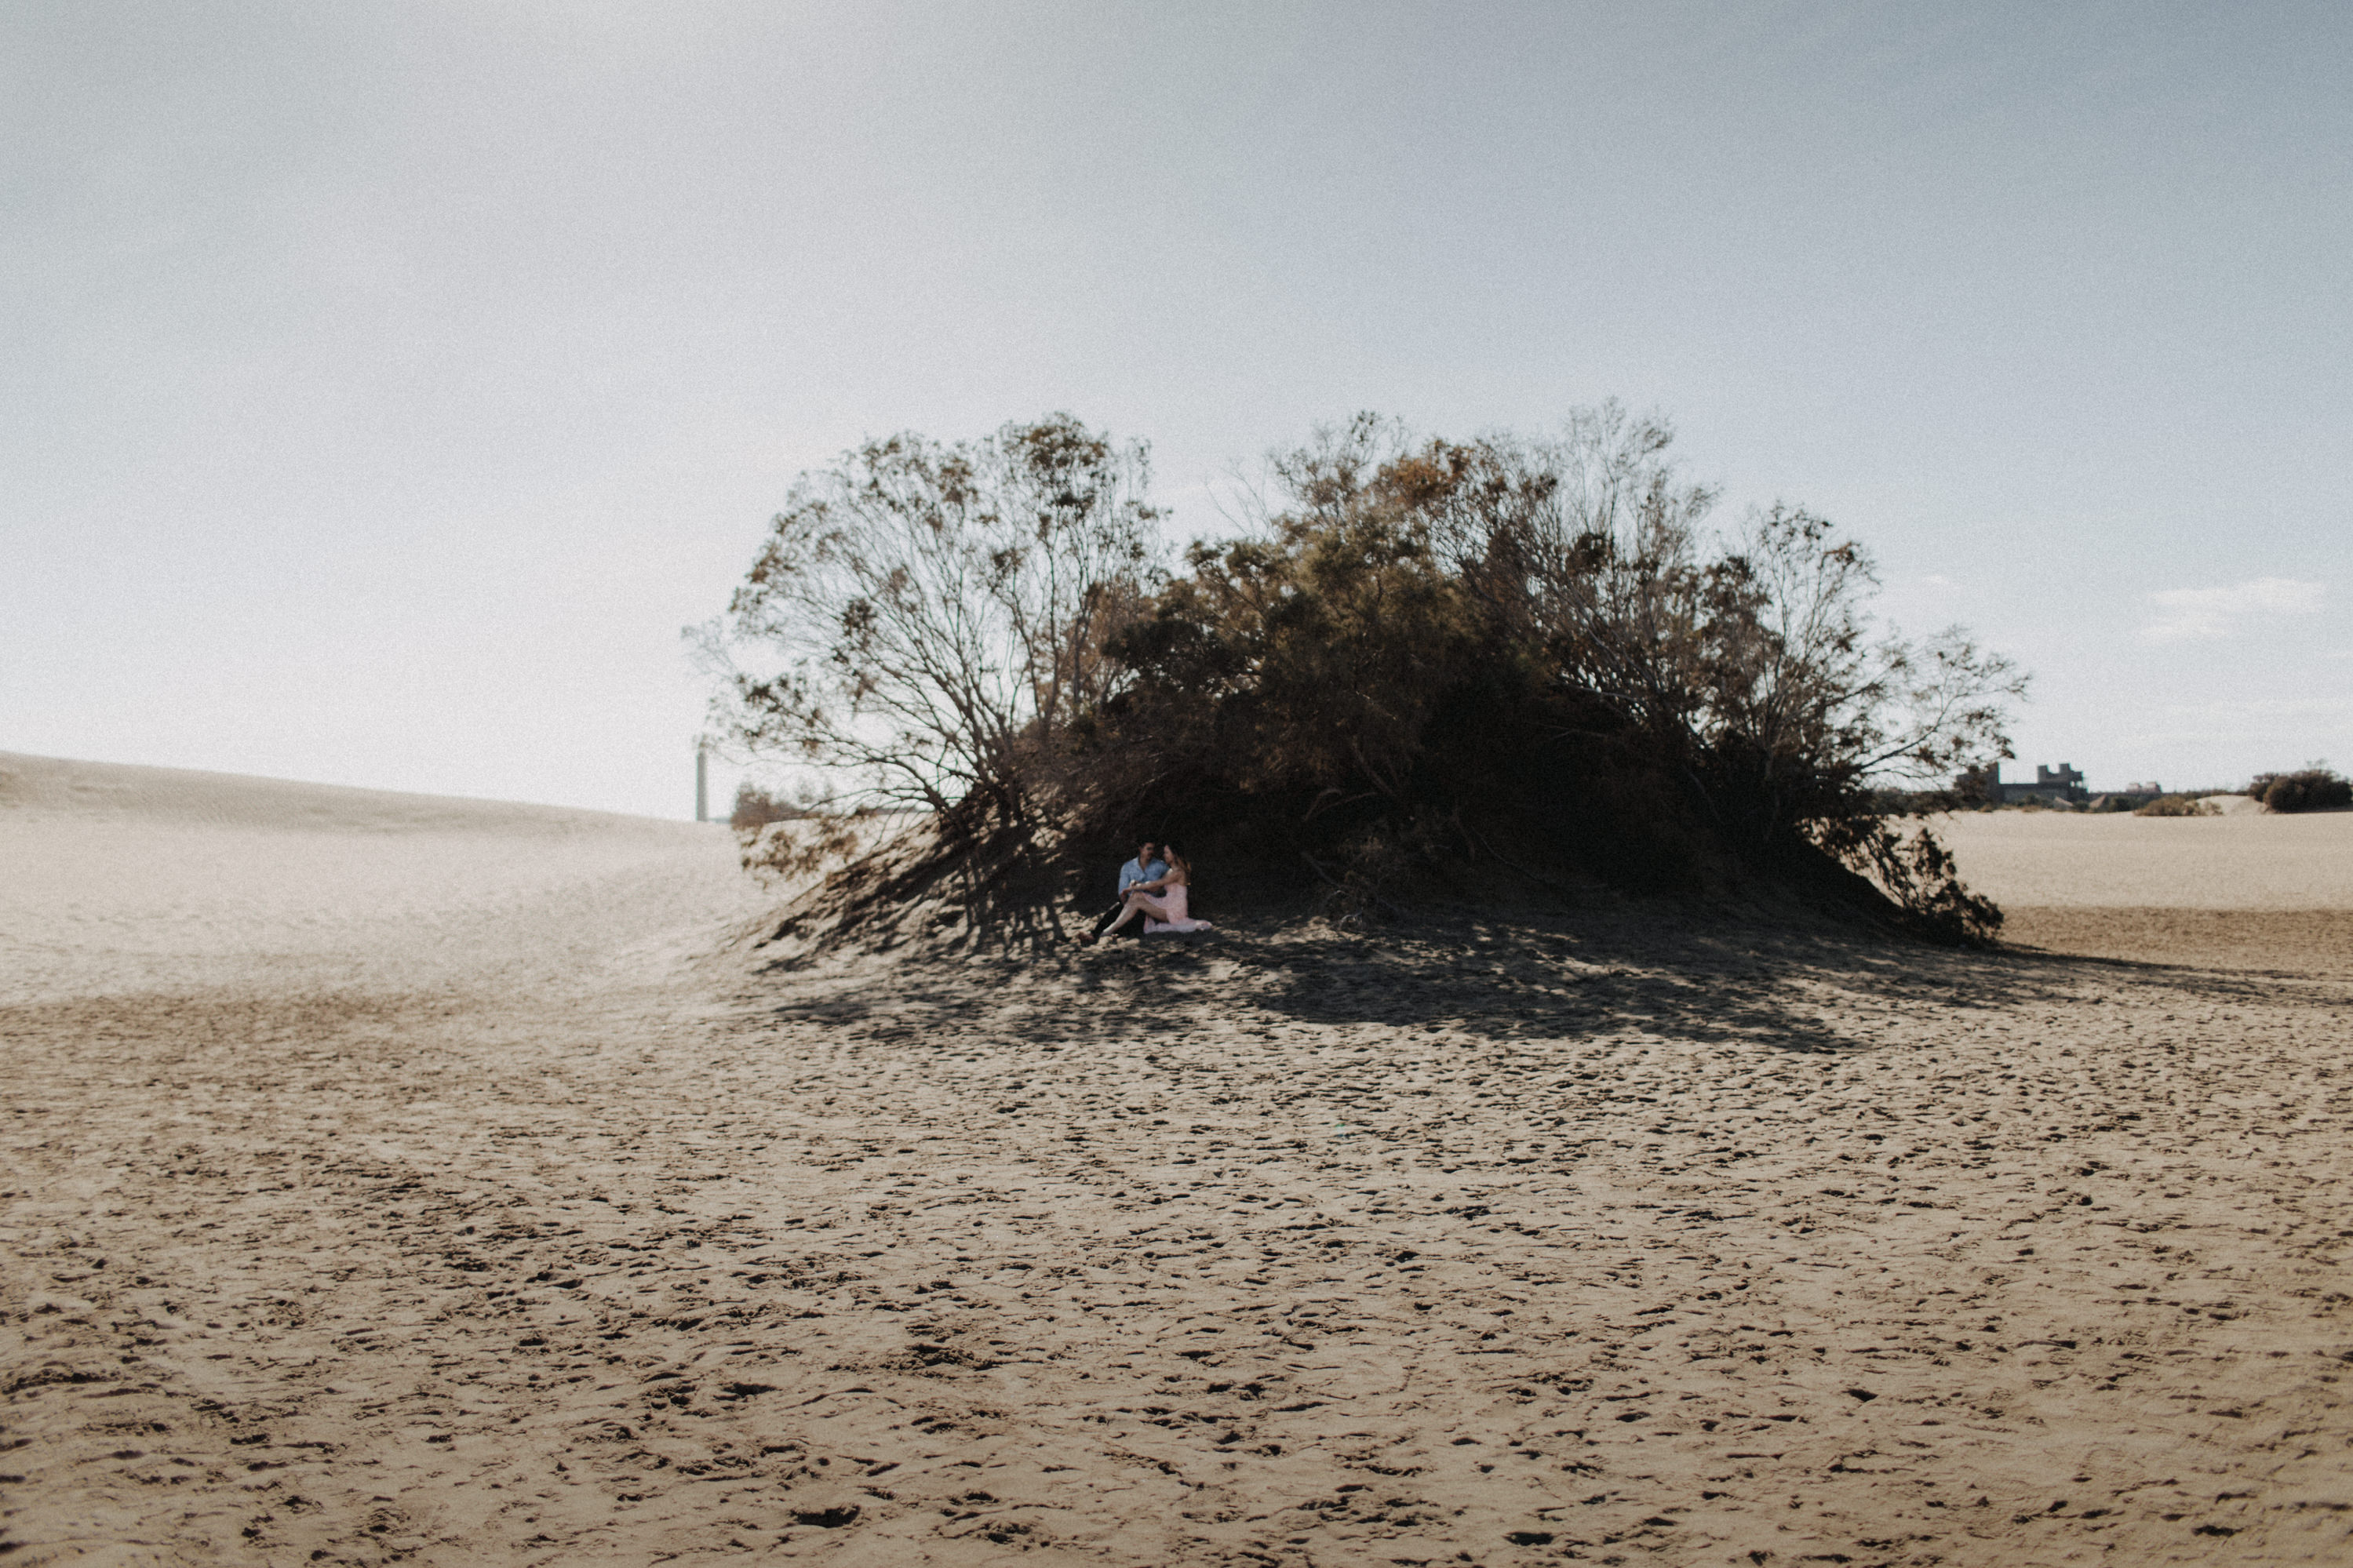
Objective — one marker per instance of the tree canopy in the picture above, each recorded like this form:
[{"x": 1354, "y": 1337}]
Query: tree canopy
[{"x": 1415, "y": 654}]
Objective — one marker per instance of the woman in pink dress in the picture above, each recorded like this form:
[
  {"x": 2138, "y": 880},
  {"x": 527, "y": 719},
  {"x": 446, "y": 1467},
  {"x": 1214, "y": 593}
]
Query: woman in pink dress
[{"x": 1164, "y": 904}]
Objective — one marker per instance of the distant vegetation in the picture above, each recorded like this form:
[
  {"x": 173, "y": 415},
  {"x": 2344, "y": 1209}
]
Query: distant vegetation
[
  {"x": 1416, "y": 664},
  {"x": 2315, "y": 787},
  {"x": 755, "y": 808},
  {"x": 2175, "y": 805}
]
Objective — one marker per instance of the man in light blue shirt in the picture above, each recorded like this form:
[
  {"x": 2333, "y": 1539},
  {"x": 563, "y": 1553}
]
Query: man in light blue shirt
[{"x": 1147, "y": 867}]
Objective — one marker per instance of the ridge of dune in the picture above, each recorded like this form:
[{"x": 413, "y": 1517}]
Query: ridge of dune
[
  {"x": 67, "y": 785},
  {"x": 121, "y": 877}
]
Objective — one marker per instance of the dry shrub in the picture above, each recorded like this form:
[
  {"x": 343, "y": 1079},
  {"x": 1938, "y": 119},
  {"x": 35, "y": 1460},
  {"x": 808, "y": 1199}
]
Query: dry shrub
[
  {"x": 2175, "y": 805},
  {"x": 1416, "y": 657},
  {"x": 756, "y": 808},
  {"x": 1425, "y": 650},
  {"x": 2316, "y": 787},
  {"x": 925, "y": 627}
]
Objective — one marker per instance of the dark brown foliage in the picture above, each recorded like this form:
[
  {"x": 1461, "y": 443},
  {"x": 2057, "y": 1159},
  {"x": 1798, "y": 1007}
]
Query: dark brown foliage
[
  {"x": 1528, "y": 654},
  {"x": 2313, "y": 788},
  {"x": 1422, "y": 664}
]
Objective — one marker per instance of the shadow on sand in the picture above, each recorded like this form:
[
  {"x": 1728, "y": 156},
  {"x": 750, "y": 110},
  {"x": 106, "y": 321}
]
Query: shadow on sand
[{"x": 1782, "y": 981}]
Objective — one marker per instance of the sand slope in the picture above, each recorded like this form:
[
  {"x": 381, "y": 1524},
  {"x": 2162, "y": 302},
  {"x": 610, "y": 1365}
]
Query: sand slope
[
  {"x": 122, "y": 878},
  {"x": 2248, "y": 860},
  {"x": 2246, "y": 890},
  {"x": 445, "y": 1206}
]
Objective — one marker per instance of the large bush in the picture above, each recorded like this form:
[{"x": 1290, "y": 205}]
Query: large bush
[
  {"x": 1521, "y": 650},
  {"x": 1417, "y": 658},
  {"x": 924, "y": 625},
  {"x": 2313, "y": 788}
]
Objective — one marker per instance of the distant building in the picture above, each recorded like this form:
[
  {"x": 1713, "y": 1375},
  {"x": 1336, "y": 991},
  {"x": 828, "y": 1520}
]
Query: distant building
[{"x": 2062, "y": 786}]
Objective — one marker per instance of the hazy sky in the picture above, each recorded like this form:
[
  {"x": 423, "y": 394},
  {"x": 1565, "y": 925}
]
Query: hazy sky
[{"x": 382, "y": 386}]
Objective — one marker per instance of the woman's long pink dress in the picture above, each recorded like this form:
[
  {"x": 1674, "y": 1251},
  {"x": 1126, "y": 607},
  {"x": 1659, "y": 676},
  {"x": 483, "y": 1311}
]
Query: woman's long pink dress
[{"x": 1175, "y": 901}]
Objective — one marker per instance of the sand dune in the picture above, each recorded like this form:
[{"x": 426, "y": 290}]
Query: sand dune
[
  {"x": 2246, "y": 890},
  {"x": 399, "y": 1180},
  {"x": 2249, "y": 860},
  {"x": 122, "y": 878}
]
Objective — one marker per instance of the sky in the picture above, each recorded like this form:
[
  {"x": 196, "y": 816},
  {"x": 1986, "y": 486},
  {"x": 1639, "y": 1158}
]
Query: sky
[{"x": 384, "y": 386}]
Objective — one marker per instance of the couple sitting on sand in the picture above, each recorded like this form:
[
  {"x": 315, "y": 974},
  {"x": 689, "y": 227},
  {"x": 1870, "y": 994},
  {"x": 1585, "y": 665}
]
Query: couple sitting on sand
[{"x": 1156, "y": 890}]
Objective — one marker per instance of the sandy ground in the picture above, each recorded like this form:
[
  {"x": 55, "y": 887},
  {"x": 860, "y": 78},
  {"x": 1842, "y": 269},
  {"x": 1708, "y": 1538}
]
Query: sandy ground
[
  {"x": 2244, "y": 890},
  {"x": 385, "y": 1179},
  {"x": 2249, "y": 860}
]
